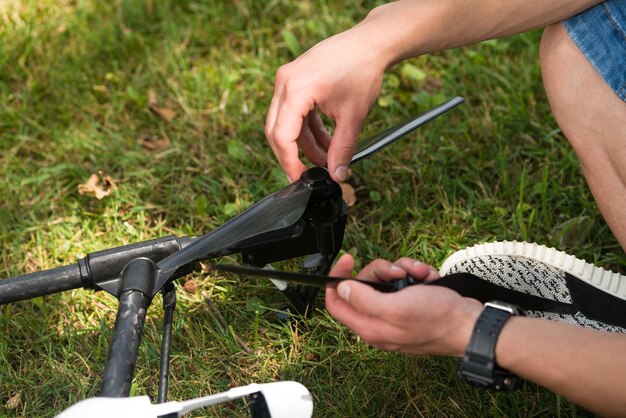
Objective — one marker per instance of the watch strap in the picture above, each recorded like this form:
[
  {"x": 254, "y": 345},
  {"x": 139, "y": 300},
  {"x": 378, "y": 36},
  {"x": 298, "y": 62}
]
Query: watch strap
[{"x": 479, "y": 365}]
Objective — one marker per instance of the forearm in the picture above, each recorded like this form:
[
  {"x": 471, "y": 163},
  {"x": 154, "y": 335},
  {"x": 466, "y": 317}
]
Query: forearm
[
  {"x": 408, "y": 28},
  {"x": 583, "y": 365}
]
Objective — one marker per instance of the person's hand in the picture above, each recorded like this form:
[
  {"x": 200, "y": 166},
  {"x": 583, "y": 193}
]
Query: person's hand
[
  {"x": 418, "y": 319},
  {"x": 341, "y": 77}
]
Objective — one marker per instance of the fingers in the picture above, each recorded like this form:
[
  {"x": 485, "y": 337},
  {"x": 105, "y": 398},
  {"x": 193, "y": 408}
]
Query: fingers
[
  {"x": 334, "y": 303},
  {"x": 284, "y": 143},
  {"x": 308, "y": 139},
  {"x": 343, "y": 145},
  {"x": 319, "y": 131},
  {"x": 387, "y": 320},
  {"x": 343, "y": 268},
  {"x": 288, "y": 110},
  {"x": 352, "y": 299},
  {"x": 365, "y": 301},
  {"x": 381, "y": 271},
  {"x": 433, "y": 275},
  {"x": 339, "y": 305},
  {"x": 417, "y": 269},
  {"x": 292, "y": 122}
]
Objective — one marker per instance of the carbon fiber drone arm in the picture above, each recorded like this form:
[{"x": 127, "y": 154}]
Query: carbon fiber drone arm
[
  {"x": 318, "y": 234},
  {"x": 319, "y": 230}
]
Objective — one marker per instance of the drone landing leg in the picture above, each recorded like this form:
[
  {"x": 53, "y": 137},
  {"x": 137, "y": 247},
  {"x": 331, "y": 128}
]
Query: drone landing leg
[
  {"x": 137, "y": 281},
  {"x": 303, "y": 297},
  {"x": 169, "y": 304}
]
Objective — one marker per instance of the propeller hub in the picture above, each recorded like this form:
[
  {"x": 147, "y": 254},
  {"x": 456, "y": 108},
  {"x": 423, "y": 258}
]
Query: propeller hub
[
  {"x": 320, "y": 182},
  {"x": 326, "y": 202}
]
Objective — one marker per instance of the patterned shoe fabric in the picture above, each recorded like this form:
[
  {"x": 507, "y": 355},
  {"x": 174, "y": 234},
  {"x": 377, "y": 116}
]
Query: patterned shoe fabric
[{"x": 599, "y": 295}]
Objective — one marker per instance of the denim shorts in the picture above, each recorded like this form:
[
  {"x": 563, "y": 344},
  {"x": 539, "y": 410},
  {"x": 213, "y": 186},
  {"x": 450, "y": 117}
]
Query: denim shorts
[{"x": 600, "y": 33}]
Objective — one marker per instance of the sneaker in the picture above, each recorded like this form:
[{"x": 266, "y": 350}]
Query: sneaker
[{"x": 598, "y": 295}]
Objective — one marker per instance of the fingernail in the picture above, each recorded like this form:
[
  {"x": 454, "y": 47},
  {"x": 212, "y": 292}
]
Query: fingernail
[
  {"x": 341, "y": 172},
  {"x": 394, "y": 267},
  {"x": 418, "y": 263},
  {"x": 343, "y": 290}
]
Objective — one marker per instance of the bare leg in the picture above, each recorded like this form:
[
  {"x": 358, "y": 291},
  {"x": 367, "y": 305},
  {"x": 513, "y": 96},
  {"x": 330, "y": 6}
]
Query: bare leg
[{"x": 593, "y": 118}]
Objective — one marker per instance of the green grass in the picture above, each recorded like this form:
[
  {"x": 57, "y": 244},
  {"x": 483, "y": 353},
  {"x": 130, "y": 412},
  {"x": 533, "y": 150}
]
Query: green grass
[{"x": 74, "y": 81}]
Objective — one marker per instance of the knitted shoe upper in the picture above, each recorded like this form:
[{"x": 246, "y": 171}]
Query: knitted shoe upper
[{"x": 530, "y": 272}]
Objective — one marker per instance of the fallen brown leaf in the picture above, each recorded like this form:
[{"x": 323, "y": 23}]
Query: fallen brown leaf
[
  {"x": 349, "y": 196},
  {"x": 155, "y": 144},
  {"x": 100, "y": 88},
  {"x": 190, "y": 286},
  {"x": 152, "y": 98},
  {"x": 98, "y": 186},
  {"x": 165, "y": 112},
  {"x": 14, "y": 401},
  {"x": 432, "y": 85}
]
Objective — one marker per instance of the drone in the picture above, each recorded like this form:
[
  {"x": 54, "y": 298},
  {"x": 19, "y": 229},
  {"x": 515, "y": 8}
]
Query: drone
[
  {"x": 306, "y": 219},
  {"x": 267, "y": 400}
]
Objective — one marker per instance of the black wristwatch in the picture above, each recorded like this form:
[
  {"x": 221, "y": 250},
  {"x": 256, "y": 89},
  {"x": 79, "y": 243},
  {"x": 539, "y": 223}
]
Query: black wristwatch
[{"x": 479, "y": 365}]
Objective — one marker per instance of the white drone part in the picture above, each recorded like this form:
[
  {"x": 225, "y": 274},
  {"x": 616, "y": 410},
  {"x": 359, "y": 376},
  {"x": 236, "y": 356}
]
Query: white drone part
[
  {"x": 280, "y": 284},
  {"x": 136, "y": 406},
  {"x": 287, "y": 399},
  {"x": 283, "y": 399}
]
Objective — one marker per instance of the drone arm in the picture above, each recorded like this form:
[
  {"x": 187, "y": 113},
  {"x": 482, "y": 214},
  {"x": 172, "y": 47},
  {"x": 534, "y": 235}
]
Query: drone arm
[
  {"x": 40, "y": 283},
  {"x": 98, "y": 270}
]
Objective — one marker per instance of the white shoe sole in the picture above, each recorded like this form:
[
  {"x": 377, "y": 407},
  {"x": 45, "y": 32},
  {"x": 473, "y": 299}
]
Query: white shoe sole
[{"x": 605, "y": 280}]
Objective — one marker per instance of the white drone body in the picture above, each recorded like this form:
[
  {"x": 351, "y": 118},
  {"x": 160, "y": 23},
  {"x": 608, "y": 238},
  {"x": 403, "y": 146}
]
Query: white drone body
[{"x": 283, "y": 400}]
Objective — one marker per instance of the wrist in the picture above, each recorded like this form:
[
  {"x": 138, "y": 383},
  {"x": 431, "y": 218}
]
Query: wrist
[
  {"x": 463, "y": 327},
  {"x": 385, "y": 33},
  {"x": 480, "y": 365},
  {"x": 507, "y": 348},
  {"x": 406, "y": 29}
]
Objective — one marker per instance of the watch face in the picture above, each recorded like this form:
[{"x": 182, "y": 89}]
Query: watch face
[{"x": 503, "y": 306}]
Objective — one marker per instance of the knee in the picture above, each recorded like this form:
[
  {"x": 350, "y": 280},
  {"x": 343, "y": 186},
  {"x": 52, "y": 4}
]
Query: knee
[
  {"x": 562, "y": 81},
  {"x": 580, "y": 99}
]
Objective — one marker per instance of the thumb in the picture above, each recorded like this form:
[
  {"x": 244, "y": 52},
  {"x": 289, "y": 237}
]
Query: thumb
[
  {"x": 365, "y": 299},
  {"x": 343, "y": 267}
]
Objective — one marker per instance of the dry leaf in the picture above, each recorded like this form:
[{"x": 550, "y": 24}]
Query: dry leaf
[
  {"x": 165, "y": 112},
  {"x": 432, "y": 85},
  {"x": 190, "y": 286},
  {"x": 98, "y": 186},
  {"x": 100, "y": 88},
  {"x": 14, "y": 401},
  {"x": 155, "y": 144},
  {"x": 152, "y": 98},
  {"x": 349, "y": 196}
]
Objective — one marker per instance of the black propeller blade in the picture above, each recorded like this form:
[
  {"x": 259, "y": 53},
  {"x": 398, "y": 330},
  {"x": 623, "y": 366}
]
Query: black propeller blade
[
  {"x": 372, "y": 145},
  {"x": 465, "y": 284},
  {"x": 317, "y": 280}
]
